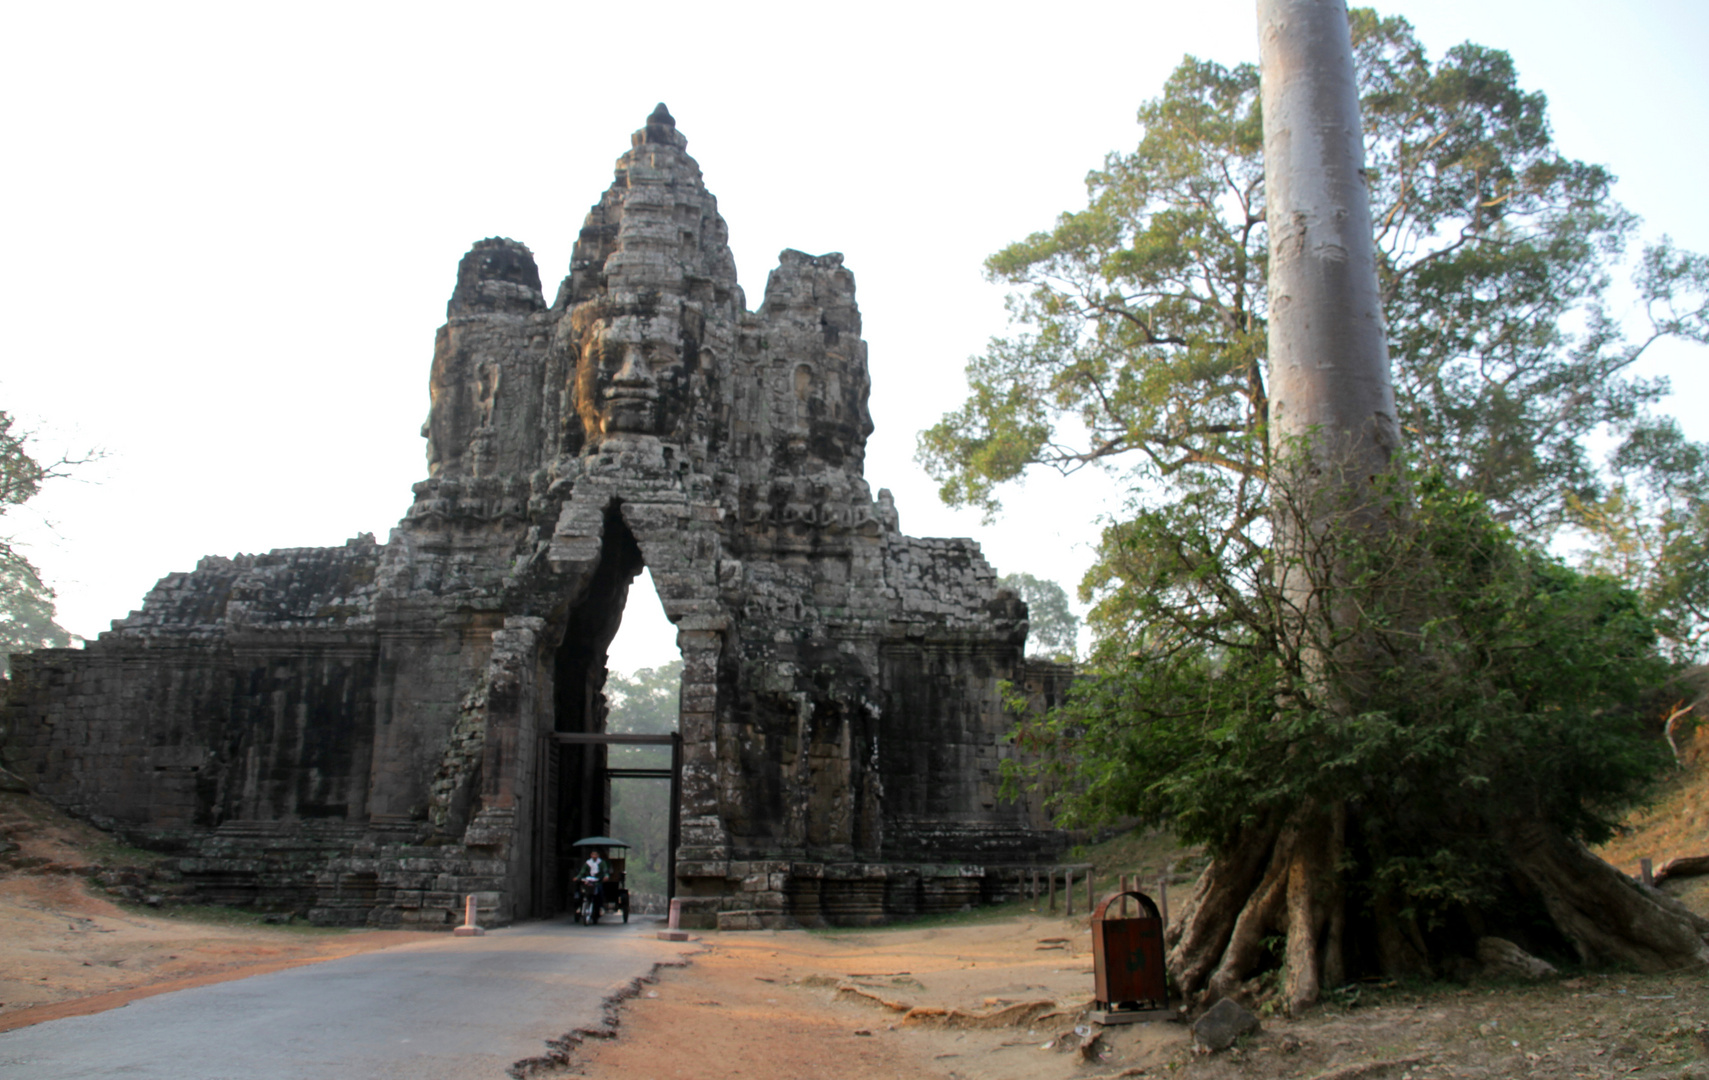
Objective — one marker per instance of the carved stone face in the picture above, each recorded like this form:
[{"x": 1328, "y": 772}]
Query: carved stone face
[{"x": 628, "y": 361}]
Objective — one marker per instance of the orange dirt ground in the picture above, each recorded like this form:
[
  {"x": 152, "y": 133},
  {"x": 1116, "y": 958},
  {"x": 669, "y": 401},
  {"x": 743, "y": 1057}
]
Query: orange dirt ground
[
  {"x": 67, "y": 949},
  {"x": 1002, "y": 1000},
  {"x": 973, "y": 998}
]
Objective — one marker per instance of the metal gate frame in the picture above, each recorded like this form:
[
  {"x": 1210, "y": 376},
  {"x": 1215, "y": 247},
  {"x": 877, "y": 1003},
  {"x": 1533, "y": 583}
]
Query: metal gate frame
[{"x": 673, "y": 774}]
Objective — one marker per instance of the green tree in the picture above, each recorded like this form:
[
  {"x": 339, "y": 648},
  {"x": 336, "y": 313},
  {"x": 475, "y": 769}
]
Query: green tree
[
  {"x": 26, "y": 602},
  {"x": 1499, "y": 727},
  {"x": 1053, "y": 628},
  {"x": 1142, "y": 319},
  {"x": 1650, "y": 528},
  {"x": 1292, "y": 665},
  {"x": 643, "y": 703}
]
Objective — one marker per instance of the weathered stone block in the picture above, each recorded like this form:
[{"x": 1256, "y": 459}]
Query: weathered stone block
[{"x": 741, "y": 920}]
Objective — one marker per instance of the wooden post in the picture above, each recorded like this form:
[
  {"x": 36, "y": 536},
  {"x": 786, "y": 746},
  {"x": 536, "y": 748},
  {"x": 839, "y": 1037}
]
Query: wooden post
[
  {"x": 1645, "y": 872},
  {"x": 1050, "y": 885},
  {"x": 1091, "y": 899},
  {"x": 1068, "y": 891}
]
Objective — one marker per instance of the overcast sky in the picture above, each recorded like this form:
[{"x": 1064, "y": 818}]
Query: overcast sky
[{"x": 231, "y": 229}]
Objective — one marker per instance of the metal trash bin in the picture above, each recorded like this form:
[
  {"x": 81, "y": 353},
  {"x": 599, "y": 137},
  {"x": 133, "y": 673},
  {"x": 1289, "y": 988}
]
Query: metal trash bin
[{"x": 1129, "y": 980}]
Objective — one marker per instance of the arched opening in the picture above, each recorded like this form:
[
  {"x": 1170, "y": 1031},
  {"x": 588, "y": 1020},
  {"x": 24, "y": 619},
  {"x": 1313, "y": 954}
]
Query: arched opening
[
  {"x": 643, "y": 697},
  {"x": 584, "y": 758}
]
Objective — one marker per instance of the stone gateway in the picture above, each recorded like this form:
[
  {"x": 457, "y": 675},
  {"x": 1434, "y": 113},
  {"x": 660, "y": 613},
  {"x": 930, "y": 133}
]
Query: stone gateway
[{"x": 368, "y": 733}]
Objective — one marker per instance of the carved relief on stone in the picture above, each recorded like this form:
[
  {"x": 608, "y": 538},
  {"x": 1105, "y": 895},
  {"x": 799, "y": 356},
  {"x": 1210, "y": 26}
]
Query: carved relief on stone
[{"x": 630, "y": 374}]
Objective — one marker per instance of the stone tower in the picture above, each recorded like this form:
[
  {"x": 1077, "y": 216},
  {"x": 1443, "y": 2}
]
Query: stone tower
[{"x": 369, "y": 732}]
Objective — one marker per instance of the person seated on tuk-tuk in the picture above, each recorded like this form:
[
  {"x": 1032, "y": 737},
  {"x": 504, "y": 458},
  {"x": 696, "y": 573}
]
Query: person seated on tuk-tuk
[{"x": 596, "y": 870}]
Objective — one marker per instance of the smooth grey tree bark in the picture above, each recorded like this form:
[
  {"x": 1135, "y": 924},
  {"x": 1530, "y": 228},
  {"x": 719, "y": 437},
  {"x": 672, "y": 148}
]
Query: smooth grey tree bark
[
  {"x": 1332, "y": 413},
  {"x": 1333, "y": 438},
  {"x": 1332, "y": 434},
  {"x": 1329, "y": 358}
]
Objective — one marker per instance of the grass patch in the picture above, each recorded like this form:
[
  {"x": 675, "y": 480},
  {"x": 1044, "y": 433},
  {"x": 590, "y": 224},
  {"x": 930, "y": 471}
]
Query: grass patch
[
  {"x": 988, "y": 913},
  {"x": 112, "y": 853},
  {"x": 1144, "y": 853},
  {"x": 1675, "y": 822}
]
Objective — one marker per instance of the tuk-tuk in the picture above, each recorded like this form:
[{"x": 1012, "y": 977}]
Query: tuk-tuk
[{"x": 612, "y": 894}]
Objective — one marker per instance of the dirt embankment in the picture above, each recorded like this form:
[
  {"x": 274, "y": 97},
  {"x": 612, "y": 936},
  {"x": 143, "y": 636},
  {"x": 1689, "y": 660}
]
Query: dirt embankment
[{"x": 68, "y": 948}]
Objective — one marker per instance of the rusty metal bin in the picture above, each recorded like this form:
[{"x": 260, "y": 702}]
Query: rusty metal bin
[{"x": 1127, "y": 961}]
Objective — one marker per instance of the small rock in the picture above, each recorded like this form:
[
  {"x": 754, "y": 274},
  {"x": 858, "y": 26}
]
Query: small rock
[
  {"x": 1488, "y": 1027},
  {"x": 1226, "y": 1021},
  {"x": 863, "y": 1031},
  {"x": 1502, "y": 957},
  {"x": 1289, "y": 1043}
]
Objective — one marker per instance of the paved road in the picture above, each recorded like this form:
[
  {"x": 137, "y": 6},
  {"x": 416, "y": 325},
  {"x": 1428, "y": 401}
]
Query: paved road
[{"x": 451, "y": 1009}]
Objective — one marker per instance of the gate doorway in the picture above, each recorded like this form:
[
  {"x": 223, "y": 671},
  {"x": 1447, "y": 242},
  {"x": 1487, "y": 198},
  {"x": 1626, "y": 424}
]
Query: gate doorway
[
  {"x": 579, "y": 756},
  {"x": 560, "y": 748}
]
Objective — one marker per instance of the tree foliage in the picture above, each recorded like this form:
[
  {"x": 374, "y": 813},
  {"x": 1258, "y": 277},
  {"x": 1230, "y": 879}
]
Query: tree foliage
[
  {"x": 1141, "y": 320},
  {"x": 1391, "y": 716},
  {"x": 643, "y": 703},
  {"x": 26, "y": 602},
  {"x": 1054, "y": 629},
  {"x": 1494, "y": 689},
  {"x": 1497, "y": 674},
  {"x": 1650, "y": 528}
]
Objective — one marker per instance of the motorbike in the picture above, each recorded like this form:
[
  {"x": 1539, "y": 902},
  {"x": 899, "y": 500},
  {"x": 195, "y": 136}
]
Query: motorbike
[
  {"x": 588, "y": 905},
  {"x": 593, "y": 896}
]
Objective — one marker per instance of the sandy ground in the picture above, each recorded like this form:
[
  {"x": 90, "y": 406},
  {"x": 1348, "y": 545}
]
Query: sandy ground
[
  {"x": 1006, "y": 1000},
  {"x": 67, "y": 949}
]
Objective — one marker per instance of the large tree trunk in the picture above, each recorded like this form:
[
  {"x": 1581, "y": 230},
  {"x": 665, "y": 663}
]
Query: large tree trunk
[
  {"x": 1333, "y": 433},
  {"x": 1328, "y": 349},
  {"x": 1609, "y": 917}
]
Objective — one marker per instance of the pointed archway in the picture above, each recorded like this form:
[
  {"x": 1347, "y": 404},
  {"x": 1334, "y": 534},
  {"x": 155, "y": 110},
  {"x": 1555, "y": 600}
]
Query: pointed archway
[{"x": 574, "y": 776}]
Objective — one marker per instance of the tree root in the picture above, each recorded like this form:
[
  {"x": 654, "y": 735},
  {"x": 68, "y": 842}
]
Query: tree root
[
  {"x": 1610, "y": 918},
  {"x": 1281, "y": 880},
  {"x": 1288, "y": 880}
]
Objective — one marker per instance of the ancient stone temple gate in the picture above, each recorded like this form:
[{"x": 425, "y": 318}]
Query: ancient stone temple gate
[{"x": 366, "y": 733}]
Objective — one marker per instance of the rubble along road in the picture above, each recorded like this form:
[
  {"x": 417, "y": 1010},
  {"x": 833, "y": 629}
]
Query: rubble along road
[{"x": 447, "y": 1009}]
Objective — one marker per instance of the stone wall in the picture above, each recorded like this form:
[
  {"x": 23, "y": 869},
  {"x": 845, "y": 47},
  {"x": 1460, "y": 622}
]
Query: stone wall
[{"x": 368, "y": 732}]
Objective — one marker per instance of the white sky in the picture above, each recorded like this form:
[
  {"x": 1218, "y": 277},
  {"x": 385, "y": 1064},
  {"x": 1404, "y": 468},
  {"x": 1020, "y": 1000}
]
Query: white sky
[{"x": 234, "y": 227}]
